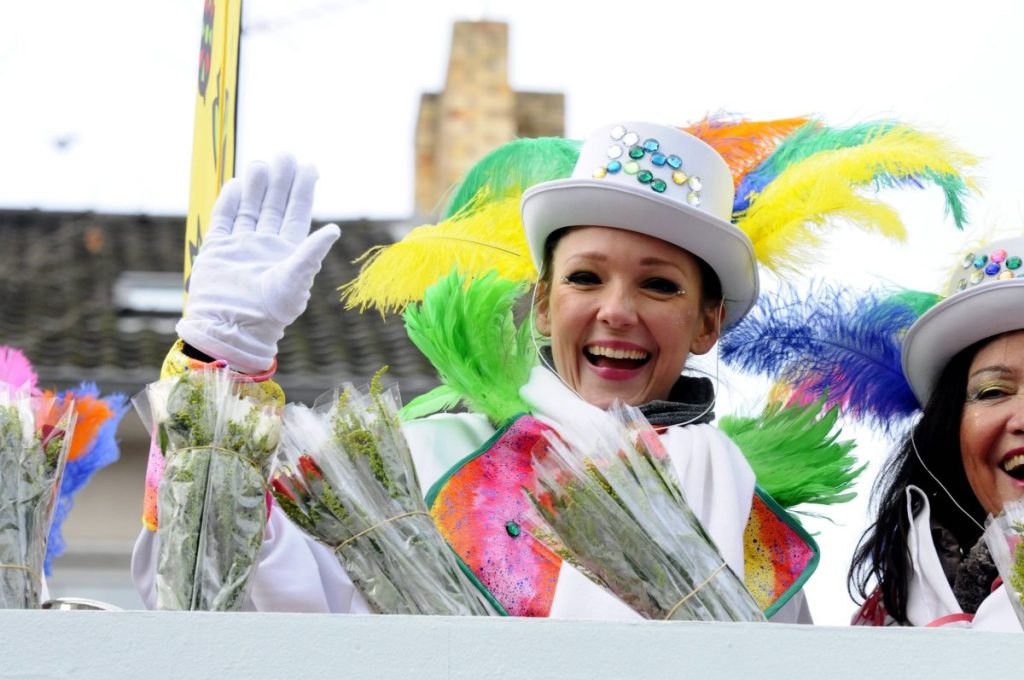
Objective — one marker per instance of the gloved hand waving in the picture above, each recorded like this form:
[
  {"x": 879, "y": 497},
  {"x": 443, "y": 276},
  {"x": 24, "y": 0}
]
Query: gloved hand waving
[{"x": 253, "y": 274}]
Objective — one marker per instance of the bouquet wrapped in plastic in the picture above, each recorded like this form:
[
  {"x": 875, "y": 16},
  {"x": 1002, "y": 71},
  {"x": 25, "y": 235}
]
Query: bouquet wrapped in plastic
[
  {"x": 345, "y": 476},
  {"x": 1004, "y": 535},
  {"x": 218, "y": 449},
  {"x": 35, "y": 433},
  {"x": 616, "y": 512}
]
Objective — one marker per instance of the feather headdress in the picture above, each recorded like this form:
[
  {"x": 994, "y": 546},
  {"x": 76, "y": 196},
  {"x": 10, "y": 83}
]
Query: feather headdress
[
  {"x": 834, "y": 344},
  {"x": 795, "y": 180},
  {"x": 744, "y": 144},
  {"x": 466, "y": 328},
  {"x": 796, "y": 453},
  {"x": 481, "y": 231},
  {"x": 93, "y": 447},
  {"x": 815, "y": 178},
  {"x": 16, "y": 371}
]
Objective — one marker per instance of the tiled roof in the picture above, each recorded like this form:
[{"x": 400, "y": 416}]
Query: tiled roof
[{"x": 57, "y": 276}]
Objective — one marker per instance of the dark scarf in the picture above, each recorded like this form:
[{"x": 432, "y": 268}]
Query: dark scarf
[{"x": 691, "y": 401}]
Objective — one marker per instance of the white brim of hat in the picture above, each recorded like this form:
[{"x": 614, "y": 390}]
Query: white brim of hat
[
  {"x": 956, "y": 323},
  {"x": 553, "y": 205}
]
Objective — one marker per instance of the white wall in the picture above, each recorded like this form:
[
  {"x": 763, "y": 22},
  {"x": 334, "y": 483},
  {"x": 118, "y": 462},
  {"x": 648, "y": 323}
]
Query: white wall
[{"x": 52, "y": 644}]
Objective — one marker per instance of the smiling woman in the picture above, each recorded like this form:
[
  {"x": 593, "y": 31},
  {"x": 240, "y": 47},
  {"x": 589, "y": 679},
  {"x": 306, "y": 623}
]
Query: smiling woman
[{"x": 964, "y": 360}]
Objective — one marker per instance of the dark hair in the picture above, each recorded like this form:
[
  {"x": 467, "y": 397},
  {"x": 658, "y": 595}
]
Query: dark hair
[
  {"x": 882, "y": 555},
  {"x": 710, "y": 285}
]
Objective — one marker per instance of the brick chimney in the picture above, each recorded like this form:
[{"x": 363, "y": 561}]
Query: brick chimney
[{"x": 476, "y": 112}]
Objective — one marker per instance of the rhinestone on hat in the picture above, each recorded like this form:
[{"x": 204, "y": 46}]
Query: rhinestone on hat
[
  {"x": 627, "y": 143},
  {"x": 998, "y": 265}
]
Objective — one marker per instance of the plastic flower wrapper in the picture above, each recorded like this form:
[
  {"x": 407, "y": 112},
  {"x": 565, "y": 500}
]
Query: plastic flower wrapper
[
  {"x": 35, "y": 433},
  {"x": 218, "y": 449},
  {"x": 616, "y": 512},
  {"x": 345, "y": 476},
  {"x": 1004, "y": 535}
]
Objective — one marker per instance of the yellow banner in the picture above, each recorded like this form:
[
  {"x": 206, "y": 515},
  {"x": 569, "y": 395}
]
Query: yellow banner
[{"x": 213, "y": 136}]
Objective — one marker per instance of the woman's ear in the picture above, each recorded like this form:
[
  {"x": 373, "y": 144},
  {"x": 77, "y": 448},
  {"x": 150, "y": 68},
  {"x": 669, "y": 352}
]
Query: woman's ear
[
  {"x": 542, "y": 308},
  {"x": 711, "y": 329}
]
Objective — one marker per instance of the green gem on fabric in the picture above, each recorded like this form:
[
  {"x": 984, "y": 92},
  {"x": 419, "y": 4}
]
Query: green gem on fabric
[
  {"x": 1013, "y": 262},
  {"x": 977, "y": 276},
  {"x": 631, "y": 168},
  {"x": 613, "y": 167},
  {"x": 961, "y": 285},
  {"x": 980, "y": 261},
  {"x": 651, "y": 144},
  {"x": 674, "y": 162},
  {"x": 659, "y": 185},
  {"x": 968, "y": 261},
  {"x": 645, "y": 177},
  {"x": 512, "y": 528},
  {"x": 635, "y": 152}
]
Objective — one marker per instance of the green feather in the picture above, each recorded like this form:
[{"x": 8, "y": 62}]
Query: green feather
[
  {"x": 919, "y": 301},
  {"x": 466, "y": 328},
  {"x": 514, "y": 167},
  {"x": 441, "y": 398},
  {"x": 795, "y": 453}
]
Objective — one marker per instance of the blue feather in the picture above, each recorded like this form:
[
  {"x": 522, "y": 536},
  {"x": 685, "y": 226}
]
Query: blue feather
[
  {"x": 833, "y": 342},
  {"x": 101, "y": 452}
]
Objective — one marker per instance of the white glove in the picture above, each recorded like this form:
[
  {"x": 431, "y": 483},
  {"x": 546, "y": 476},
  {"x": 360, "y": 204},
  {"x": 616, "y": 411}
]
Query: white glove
[{"x": 253, "y": 274}]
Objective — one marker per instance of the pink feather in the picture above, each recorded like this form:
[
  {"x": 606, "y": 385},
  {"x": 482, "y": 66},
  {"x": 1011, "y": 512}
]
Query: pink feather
[{"x": 16, "y": 370}]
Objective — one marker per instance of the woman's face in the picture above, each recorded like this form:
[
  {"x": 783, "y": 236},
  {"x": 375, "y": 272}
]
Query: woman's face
[
  {"x": 623, "y": 312},
  {"x": 992, "y": 427}
]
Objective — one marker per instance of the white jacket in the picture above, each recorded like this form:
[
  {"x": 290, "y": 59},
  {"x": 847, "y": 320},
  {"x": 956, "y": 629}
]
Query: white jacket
[
  {"x": 930, "y": 601},
  {"x": 295, "y": 573}
]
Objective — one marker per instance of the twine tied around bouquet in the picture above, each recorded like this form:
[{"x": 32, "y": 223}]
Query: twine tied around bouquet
[
  {"x": 693, "y": 592},
  {"x": 22, "y": 567},
  {"x": 378, "y": 525},
  {"x": 245, "y": 459}
]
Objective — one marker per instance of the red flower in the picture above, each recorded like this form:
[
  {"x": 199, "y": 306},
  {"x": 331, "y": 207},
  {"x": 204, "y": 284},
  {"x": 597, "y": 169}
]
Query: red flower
[
  {"x": 282, "y": 489},
  {"x": 309, "y": 467}
]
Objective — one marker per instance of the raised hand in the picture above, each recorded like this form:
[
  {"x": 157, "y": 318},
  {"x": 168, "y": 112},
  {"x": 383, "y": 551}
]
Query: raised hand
[{"x": 253, "y": 275}]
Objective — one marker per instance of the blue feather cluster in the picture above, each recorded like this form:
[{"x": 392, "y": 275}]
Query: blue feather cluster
[
  {"x": 101, "y": 452},
  {"x": 833, "y": 342}
]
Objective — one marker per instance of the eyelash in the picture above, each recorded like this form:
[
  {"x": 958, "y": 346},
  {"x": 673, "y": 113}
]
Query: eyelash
[
  {"x": 988, "y": 393},
  {"x": 658, "y": 284}
]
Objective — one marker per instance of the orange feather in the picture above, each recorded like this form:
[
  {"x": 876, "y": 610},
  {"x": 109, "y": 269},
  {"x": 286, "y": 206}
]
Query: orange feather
[
  {"x": 90, "y": 414},
  {"x": 744, "y": 144}
]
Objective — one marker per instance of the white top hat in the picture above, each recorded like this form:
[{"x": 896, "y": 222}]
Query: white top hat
[
  {"x": 655, "y": 180},
  {"x": 985, "y": 299}
]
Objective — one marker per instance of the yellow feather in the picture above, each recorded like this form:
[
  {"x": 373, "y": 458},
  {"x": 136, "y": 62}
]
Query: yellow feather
[
  {"x": 794, "y": 213},
  {"x": 485, "y": 236}
]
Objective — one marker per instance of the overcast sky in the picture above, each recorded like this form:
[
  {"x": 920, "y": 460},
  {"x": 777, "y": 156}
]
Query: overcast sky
[{"x": 99, "y": 99}]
